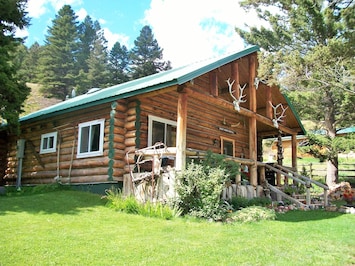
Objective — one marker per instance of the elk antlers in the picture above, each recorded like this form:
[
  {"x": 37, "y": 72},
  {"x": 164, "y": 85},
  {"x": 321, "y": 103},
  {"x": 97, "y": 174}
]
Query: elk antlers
[
  {"x": 241, "y": 99},
  {"x": 278, "y": 117}
]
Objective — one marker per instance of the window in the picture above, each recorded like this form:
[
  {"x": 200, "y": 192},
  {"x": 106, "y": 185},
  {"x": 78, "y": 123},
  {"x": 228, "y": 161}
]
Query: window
[
  {"x": 227, "y": 146},
  {"x": 91, "y": 138},
  {"x": 48, "y": 142},
  {"x": 161, "y": 130}
]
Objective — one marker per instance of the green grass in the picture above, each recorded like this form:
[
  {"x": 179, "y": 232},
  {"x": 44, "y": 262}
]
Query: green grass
[{"x": 76, "y": 228}]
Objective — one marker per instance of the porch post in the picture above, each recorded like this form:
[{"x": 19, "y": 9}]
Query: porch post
[
  {"x": 181, "y": 132},
  {"x": 252, "y": 121},
  {"x": 294, "y": 152}
]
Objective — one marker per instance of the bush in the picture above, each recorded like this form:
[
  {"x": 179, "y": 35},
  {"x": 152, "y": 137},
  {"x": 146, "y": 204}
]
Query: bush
[
  {"x": 253, "y": 214},
  {"x": 130, "y": 205},
  {"x": 199, "y": 188},
  {"x": 241, "y": 202}
]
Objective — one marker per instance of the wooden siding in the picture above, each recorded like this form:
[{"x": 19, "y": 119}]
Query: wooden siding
[{"x": 43, "y": 168}]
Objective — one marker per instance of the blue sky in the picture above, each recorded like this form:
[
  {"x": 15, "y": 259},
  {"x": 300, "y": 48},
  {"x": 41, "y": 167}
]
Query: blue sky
[{"x": 187, "y": 30}]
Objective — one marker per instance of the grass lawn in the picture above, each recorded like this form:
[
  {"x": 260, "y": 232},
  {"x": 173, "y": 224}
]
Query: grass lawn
[{"x": 75, "y": 228}]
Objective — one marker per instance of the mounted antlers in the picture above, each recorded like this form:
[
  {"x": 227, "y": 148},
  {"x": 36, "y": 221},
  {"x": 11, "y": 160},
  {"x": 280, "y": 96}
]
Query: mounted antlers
[
  {"x": 278, "y": 117},
  {"x": 240, "y": 100}
]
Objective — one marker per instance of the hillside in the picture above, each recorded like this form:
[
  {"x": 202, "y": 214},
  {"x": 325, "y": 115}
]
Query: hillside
[{"x": 36, "y": 100}]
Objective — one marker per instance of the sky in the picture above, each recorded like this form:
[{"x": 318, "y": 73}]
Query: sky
[{"x": 186, "y": 30}]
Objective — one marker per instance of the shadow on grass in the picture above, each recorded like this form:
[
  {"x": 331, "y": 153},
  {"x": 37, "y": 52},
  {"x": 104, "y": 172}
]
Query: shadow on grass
[
  {"x": 301, "y": 216},
  {"x": 61, "y": 202}
]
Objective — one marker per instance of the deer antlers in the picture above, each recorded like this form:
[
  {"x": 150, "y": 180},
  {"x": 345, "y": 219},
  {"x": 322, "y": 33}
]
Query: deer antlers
[
  {"x": 240, "y": 100},
  {"x": 278, "y": 117}
]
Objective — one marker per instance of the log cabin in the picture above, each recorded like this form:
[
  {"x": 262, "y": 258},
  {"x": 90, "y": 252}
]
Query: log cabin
[{"x": 216, "y": 105}]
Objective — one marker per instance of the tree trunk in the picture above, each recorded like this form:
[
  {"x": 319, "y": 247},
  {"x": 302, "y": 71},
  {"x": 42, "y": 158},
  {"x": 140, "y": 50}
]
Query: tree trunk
[{"x": 329, "y": 121}]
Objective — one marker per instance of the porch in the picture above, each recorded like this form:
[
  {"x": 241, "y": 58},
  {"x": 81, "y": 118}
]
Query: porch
[{"x": 152, "y": 177}]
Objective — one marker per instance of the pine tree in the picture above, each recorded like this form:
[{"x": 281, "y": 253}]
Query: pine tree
[
  {"x": 98, "y": 73},
  {"x": 30, "y": 63},
  {"x": 87, "y": 36},
  {"x": 58, "y": 64},
  {"x": 311, "y": 52},
  {"x": 13, "y": 92},
  {"x": 146, "y": 55},
  {"x": 119, "y": 64}
]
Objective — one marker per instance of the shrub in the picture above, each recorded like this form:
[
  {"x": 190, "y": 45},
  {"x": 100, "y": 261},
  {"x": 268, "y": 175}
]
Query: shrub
[
  {"x": 199, "y": 188},
  {"x": 253, "y": 214},
  {"x": 241, "y": 202},
  {"x": 129, "y": 204}
]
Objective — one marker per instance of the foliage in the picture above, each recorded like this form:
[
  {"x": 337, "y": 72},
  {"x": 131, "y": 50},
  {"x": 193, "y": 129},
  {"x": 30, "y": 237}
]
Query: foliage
[
  {"x": 130, "y": 205},
  {"x": 238, "y": 202},
  {"x": 253, "y": 214},
  {"x": 13, "y": 91},
  {"x": 119, "y": 63},
  {"x": 58, "y": 62},
  {"x": 146, "y": 55},
  {"x": 199, "y": 188},
  {"x": 211, "y": 160},
  {"x": 309, "y": 50}
]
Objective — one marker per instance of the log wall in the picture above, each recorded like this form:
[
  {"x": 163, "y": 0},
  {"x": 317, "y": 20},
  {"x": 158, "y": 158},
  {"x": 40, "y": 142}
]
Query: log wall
[{"x": 46, "y": 168}]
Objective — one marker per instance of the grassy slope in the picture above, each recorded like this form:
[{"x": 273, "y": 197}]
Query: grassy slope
[
  {"x": 36, "y": 100},
  {"x": 75, "y": 228}
]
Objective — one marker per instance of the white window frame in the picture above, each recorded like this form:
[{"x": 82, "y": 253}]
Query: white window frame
[
  {"x": 152, "y": 118},
  {"x": 47, "y": 136},
  {"x": 99, "y": 152}
]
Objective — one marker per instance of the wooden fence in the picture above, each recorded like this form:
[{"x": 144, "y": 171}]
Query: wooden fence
[{"x": 319, "y": 170}]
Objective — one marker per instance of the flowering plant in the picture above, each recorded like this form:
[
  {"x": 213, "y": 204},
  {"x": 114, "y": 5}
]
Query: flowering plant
[{"x": 348, "y": 194}]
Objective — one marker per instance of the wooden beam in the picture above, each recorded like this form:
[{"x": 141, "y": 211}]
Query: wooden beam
[
  {"x": 235, "y": 76},
  {"x": 213, "y": 83},
  {"x": 294, "y": 152},
  {"x": 181, "y": 132},
  {"x": 268, "y": 99},
  {"x": 252, "y": 121}
]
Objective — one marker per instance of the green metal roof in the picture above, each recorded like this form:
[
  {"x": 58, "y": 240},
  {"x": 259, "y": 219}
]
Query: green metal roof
[{"x": 176, "y": 76}]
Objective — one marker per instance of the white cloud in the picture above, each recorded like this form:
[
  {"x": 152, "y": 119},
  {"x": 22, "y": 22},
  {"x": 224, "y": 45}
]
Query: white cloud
[
  {"x": 36, "y": 8},
  {"x": 112, "y": 38},
  {"x": 81, "y": 13},
  {"x": 58, "y": 4},
  {"x": 192, "y": 30}
]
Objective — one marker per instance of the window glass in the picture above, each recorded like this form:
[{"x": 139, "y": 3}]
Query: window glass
[
  {"x": 227, "y": 146},
  {"x": 48, "y": 142},
  {"x": 161, "y": 130},
  {"x": 91, "y": 136}
]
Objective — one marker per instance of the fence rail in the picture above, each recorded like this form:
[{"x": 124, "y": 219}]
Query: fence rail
[{"x": 320, "y": 170}]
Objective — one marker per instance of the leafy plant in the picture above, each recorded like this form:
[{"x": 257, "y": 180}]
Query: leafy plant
[
  {"x": 241, "y": 202},
  {"x": 253, "y": 214},
  {"x": 199, "y": 188},
  {"x": 130, "y": 205}
]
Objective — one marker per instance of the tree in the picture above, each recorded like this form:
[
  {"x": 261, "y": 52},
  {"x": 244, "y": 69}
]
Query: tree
[
  {"x": 30, "y": 61},
  {"x": 119, "y": 64},
  {"x": 146, "y": 55},
  {"x": 98, "y": 73},
  {"x": 87, "y": 36},
  {"x": 310, "y": 50},
  {"x": 58, "y": 63},
  {"x": 13, "y": 92}
]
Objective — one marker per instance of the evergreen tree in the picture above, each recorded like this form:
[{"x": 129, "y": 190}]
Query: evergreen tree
[
  {"x": 98, "y": 72},
  {"x": 146, "y": 55},
  {"x": 58, "y": 63},
  {"x": 30, "y": 63},
  {"x": 119, "y": 64},
  {"x": 13, "y": 92},
  {"x": 87, "y": 35},
  {"x": 311, "y": 52}
]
